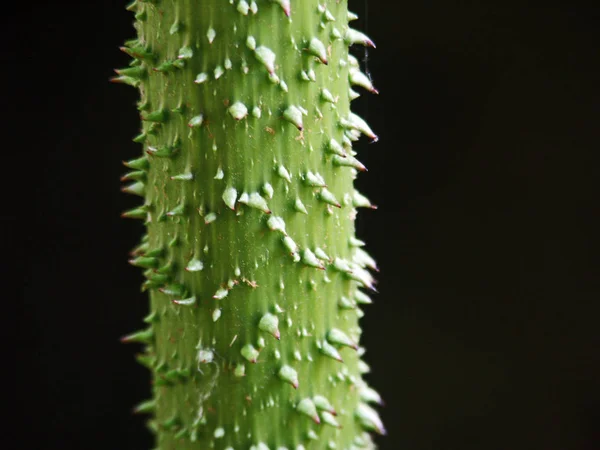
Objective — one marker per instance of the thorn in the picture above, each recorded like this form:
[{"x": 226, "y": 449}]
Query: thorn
[
  {"x": 138, "y": 52},
  {"x": 163, "y": 152},
  {"x": 338, "y": 337},
  {"x": 349, "y": 161},
  {"x": 140, "y": 138},
  {"x": 356, "y": 37},
  {"x": 176, "y": 290},
  {"x": 144, "y": 262},
  {"x": 289, "y": 375},
  {"x": 329, "y": 419},
  {"x": 137, "y": 188},
  {"x": 147, "y": 361},
  {"x": 285, "y": 5},
  {"x": 220, "y": 294},
  {"x": 196, "y": 121},
  {"x": 179, "y": 210},
  {"x": 255, "y": 200},
  {"x": 186, "y": 176},
  {"x": 317, "y": 48},
  {"x": 143, "y": 337},
  {"x": 369, "y": 395},
  {"x": 323, "y": 404},
  {"x": 369, "y": 419},
  {"x": 276, "y": 223},
  {"x": 329, "y": 350},
  {"x": 158, "y": 116},
  {"x": 358, "y": 78},
  {"x": 136, "y": 175},
  {"x": 250, "y": 353},
  {"x": 185, "y": 53},
  {"x": 310, "y": 259},
  {"x": 150, "y": 318},
  {"x": 293, "y": 115},
  {"x": 194, "y": 265},
  {"x": 136, "y": 213},
  {"x": 307, "y": 407},
  {"x": 238, "y": 111},
  {"x": 335, "y": 147},
  {"x": 266, "y": 56},
  {"x": 269, "y": 323},
  {"x": 229, "y": 197},
  {"x": 146, "y": 407},
  {"x": 125, "y": 80},
  {"x": 326, "y": 196},
  {"x": 185, "y": 302},
  {"x": 138, "y": 164},
  {"x": 133, "y": 72},
  {"x": 314, "y": 180}
]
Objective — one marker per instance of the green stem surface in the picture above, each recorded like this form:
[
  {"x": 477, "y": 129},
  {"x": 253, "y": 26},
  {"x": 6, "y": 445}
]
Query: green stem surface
[{"x": 250, "y": 256}]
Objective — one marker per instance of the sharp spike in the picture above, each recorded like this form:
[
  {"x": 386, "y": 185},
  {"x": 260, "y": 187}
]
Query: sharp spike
[
  {"x": 269, "y": 323},
  {"x": 146, "y": 407},
  {"x": 362, "y": 298},
  {"x": 255, "y": 200},
  {"x": 323, "y": 404},
  {"x": 138, "y": 164},
  {"x": 137, "y": 188},
  {"x": 329, "y": 350},
  {"x": 307, "y": 407},
  {"x": 369, "y": 395},
  {"x": 314, "y": 180},
  {"x": 158, "y": 116},
  {"x": 250, "y": 353},
  {"x": 163, "y": 152},
  {"x": 335, "y": 147},
  {"x": 143, "y": 337},
  {"x": 238, "y": 111},
  {"x": 299, "y": 206},
  {"x": 136, "y": 175},
  {"x": 196, "y": 121},
  {"x": 175, "y": 290},
  {"x": 138, "y": 52},
  {"x": 317, "y": 48},
  {"x": 326, "y": 196},
  {"x": 136, "y": 213},
  {"x": 186, "y": 301},
  {"x": 289, "y": 375},
  {"x": 285, "y": 5},
  {"x": 266, "y": 56},
  {"x": 276, "y": 223},
  {"x": 353, "y": 36},
  {"x": 229, "y": 197},
  {"x": 358, "y": 78},
  {"x": 309, "y": 258},
  {"x": 349, "y": 161},
  {"x": 329, "y": 419},
  {"x": 369, "y": 419},
  {"x": 360, "y": 201},
  {"x": 336, "y": 336},
  {"x": 293, "y": 115},
  {"x": 144, "y": 262},
  {"x": 195, "y": 265},
  {"x": 186, "y": 176}
]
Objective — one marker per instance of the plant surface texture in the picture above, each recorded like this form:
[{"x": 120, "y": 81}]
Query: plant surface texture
[{"x": 253, "y": 269}]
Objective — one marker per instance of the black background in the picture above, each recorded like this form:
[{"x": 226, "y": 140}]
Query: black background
[{"x": 485, "y": 333}]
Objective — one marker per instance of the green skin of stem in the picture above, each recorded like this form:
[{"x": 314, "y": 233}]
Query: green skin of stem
[{"x": 251, "y": 261}]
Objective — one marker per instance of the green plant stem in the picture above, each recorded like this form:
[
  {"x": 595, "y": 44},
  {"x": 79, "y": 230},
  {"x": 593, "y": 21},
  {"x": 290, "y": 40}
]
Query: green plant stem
[{"x": 250, "y": 256}]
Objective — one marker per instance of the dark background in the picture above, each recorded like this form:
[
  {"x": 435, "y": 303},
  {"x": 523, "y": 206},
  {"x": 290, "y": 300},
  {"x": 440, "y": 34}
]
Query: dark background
[{"x": 485, "y": 333}]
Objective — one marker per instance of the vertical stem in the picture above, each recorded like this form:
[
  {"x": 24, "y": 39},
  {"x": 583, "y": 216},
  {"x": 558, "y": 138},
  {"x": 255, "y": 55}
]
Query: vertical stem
[{"x": 252, "y": 264}]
